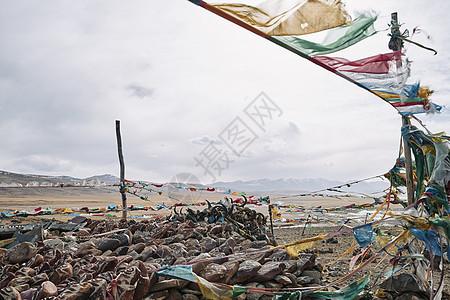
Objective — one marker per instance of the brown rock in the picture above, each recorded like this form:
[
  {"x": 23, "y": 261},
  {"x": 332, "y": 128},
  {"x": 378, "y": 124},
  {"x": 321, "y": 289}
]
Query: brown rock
[
  {"x": 148, "y": 252},
  {"x": 126, "y": 281},
  {"x": 316, "y": 275},
  {"x": 21, "y": 253},
  {"x": 189, "y": 291},
  {"x": 47, "y": 289},
  {"x": 20, "y": 280},
  {"x": 246, "y": 270},
  {"x": 52, "y": 256},
  {"x": 36, "y": 261},
  {"x": 106, "y": 264},
  {"x": 214, "y": 272},
  {"x": 138, "y": 247},
  {"x": 273, "y": 285},
  {"x": 61, "y": 273},
  {"x": 216, "y": 229},
  {"x": 100, "y": 285},
  {"x": 22, "y": 287},
  {"x": 77, "y": 291},
  {"x": 28, "y": 294},
  {"x": 160, "y": 295},
  {"x": 404, "y": 283},
  {"x": 25, "y": 271},
  {"x": 232, "y": 267},
  {"x": 283, "y": 279},
  {"x": 199, "y": 266},
  {"x": 268, "y": 271},
  {"x": 174, "y": 295},
  {"x": 189, "y": 297},
  {"x": 169, "y": 284},
  {"x": 6, "y": 278},
  {"x": 10, "y": 293}
]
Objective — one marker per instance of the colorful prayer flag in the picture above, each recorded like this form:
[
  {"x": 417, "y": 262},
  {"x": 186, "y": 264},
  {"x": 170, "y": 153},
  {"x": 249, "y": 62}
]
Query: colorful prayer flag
[
  {"x": 288, "y": 17},
  {"x": 337, "y": 39}
]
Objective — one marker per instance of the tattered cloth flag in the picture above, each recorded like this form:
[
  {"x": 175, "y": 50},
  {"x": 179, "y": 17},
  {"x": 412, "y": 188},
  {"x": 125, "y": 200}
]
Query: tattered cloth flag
[
  {"x": 287, "y": 17},
  {"x": 336, "y": 39},
  {"x": 348, "y": 293},
  {"x": 386, "y": 75},
  {"x": 363, "y": 235},
  {"x": 283, "y": 21}
]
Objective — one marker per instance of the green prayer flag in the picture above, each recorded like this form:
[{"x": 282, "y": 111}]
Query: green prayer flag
[
  {"x": 337, "y": 39},
  {"x": 347, "y": 293},
  {"x": 183, "y": 272},
  {"x": 237, "y": 290}
]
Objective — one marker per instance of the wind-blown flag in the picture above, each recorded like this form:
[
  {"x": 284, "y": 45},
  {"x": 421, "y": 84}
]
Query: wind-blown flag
[
  {"x": 386, "y": 75},
  {"x": 283, "y": 21},
  {"x": 290, "y": 17},
  {"x": 337, "y": 39}
]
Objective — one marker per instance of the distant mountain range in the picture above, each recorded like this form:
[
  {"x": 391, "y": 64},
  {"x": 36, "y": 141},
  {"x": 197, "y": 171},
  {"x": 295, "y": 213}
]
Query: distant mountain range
[
  {"x": 8, "y": 179},
  {"x": 303, "y": 185}
]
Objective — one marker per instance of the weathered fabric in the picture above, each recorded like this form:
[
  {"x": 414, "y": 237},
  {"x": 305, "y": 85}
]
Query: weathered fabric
[{"x": 290, "y": 17}]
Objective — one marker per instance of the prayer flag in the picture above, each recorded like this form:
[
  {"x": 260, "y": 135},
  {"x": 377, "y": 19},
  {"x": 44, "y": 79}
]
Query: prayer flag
[
  {"x": 337, "y": 39},
  {"x": 290, "y": 17}
]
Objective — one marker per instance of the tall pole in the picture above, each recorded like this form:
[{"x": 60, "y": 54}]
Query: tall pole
[
  {"x": 395, "y": 44},
  {"x": 122, "y": 170},
  {"x": 408, "y": 165}
]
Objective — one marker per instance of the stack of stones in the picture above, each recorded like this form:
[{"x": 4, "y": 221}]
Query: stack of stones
[{"x": 87, "y": 264}]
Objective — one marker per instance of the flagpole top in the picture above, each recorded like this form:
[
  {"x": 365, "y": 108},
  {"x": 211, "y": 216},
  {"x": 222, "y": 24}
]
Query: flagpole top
[{"x": 196, "y": 2}]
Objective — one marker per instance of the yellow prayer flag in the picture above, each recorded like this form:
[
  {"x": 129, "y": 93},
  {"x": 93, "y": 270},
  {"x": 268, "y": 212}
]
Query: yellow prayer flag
[{"x": 290, "y": 17}]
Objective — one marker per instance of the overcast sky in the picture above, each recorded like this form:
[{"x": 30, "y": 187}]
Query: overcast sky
[{"x": 179, "y": 77}]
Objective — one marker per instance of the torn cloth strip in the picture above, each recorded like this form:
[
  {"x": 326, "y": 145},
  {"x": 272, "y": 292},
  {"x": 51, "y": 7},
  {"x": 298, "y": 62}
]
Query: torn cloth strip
[{"x": 289, "y": 17}]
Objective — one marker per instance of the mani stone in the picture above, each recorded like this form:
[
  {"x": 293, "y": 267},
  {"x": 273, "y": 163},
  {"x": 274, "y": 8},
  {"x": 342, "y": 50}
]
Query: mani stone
[
  {"x": 232, "y": 267},
  {"x": 404, "y": 283},
  {"x": 107, "y": 244},
  {"x": 246, "y": 270},
  {"x": 268, "y": 271},
  {"x": 214, "y": 272},
  {"x": 21, "y": 253}
]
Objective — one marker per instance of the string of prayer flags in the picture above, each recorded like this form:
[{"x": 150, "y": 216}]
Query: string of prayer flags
[{"x": 283, "y": 22}]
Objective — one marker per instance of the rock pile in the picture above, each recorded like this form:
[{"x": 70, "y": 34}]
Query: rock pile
[{"x": 88, "y": 264}]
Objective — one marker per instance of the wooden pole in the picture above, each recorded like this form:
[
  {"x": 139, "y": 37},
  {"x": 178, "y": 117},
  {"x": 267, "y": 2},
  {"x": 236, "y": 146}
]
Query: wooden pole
[
  {"x": 408, "y": 165},
  {"x": 395, "y": 44},
  {"x": 122, "y": 171}
]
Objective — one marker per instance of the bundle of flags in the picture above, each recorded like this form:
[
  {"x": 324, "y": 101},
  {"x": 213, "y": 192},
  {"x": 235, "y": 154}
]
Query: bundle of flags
[{"x": 284, "y": 22}]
